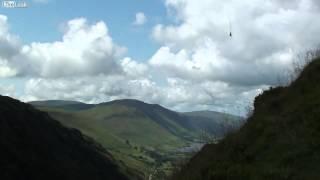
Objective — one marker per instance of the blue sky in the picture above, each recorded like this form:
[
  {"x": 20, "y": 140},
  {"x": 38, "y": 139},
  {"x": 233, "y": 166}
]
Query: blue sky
[{"x": 40, "y": 22}]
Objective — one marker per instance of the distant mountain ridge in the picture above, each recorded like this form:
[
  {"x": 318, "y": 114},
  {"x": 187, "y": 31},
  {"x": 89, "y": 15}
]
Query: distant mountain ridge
[
  {"x": 35, "y": 146},
  {"x": 223, "y": 122},
  {"x": 70, "y": 105},
  {"x": 55, "y": 103},
  {"x": 156, "y": 112},
  {"x": 137, "y": 133}
]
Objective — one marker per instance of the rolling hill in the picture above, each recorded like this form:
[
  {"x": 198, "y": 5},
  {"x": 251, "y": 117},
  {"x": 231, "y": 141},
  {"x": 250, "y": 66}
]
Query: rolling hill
[
  {"x": 139, "y": 135},
  {"x": 35, "y": 146},
  {"x": 281, "y": 140}
]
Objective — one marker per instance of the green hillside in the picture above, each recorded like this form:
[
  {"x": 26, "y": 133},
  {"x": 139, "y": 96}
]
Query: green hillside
[
  {"x": 280, "y": 141},
  {"x": 33, "y": 146},
  {"x": 66, "y": 105},
  {"x": 139, "y": 135}
]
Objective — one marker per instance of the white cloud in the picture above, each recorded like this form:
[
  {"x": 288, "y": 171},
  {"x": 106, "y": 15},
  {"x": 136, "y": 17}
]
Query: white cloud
[
  {"x": 88, "y": 89},
  {"x": 178, "y": 94},
  {"x": 140, "y": 19},
  {"x": 266, "y": 35},
  {"x": 85, "y": 49},
  {"x": 9, "y": 47},
  {"x": 133, "y": 68},
  {"x": 5, "y": 70}
]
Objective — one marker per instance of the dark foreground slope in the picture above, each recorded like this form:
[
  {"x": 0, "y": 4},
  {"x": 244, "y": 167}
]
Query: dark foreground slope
[
  {"x": 280, "y": 141},
  {"x": 36, "y": 147}
]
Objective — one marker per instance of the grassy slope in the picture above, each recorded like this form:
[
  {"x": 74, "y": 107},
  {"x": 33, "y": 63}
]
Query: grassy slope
[
  {"x": 138, "y": 134},
  {"x": 280, "y": 141},
  {"x": 113, "y": 125},
  {"x": 35, "y": 146}
]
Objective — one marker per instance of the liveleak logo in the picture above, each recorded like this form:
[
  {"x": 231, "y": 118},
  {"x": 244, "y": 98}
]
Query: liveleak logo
[{"x": 14, "y": 4}]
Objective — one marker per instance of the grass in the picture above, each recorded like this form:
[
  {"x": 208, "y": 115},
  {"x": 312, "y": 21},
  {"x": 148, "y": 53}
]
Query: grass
[
  {"x": 140, "y": 136},
  {"x": 281, "y": 140},
  {"x": 113, "y": 127}
]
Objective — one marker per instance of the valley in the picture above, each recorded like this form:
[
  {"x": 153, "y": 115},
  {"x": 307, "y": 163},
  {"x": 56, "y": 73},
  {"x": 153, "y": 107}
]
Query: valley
[{"x": 141, "y": 136}]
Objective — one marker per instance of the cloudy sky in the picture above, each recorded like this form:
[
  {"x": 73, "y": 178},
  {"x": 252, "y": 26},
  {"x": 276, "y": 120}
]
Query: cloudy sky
[{"x": 177, "y": 53}]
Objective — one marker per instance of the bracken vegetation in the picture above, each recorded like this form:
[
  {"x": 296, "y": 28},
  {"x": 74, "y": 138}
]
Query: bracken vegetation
[{"x": 281, "y": 140}]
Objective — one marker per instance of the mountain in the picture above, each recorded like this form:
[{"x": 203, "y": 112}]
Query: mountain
[
  {"x": 281, "y": 140},
  {"x": 35, "y": 146},
  {"x": 213, "y": 122},
  {"x": 69, "y": 105},
  {"x": 139, "y": 135}
]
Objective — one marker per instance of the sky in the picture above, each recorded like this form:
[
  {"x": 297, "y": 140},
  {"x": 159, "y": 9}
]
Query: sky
[{"x": 177, "y": 53}]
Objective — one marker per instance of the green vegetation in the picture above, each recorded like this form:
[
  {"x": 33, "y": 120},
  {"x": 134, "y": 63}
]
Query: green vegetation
[
  {"x": 281, "y": 140},
  {"x": 35, "y": 146},
  {"x": 143, "y": 137}
]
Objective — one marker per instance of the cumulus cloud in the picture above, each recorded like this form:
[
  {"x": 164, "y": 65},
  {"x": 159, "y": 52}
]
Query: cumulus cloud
[
  {"x": 178, "y": 94},
  {"x": 88, "y": 89},
  {"x": 9, "y": 47},
  {"x": 205, "y": 63},
  {"x": 133, "y": 68},
  {"x": 140, "y": 19},
  {"x": 85, "y": 49},
  {"x": 266, "y": 34},
  {"x": 5, "y": 70}
]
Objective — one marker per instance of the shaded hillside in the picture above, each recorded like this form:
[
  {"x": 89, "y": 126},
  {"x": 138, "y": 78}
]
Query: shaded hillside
[
  {"x": 34, "y": 146},
  {"x": 190, "y": 122},
  {"x": 215, "y": 123},
  {"x": 280, "y": 141},
  {"x": 138, "y": 134},
  {"x": 170, "y": 121},
  {"x": 68, "y": 105}
]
